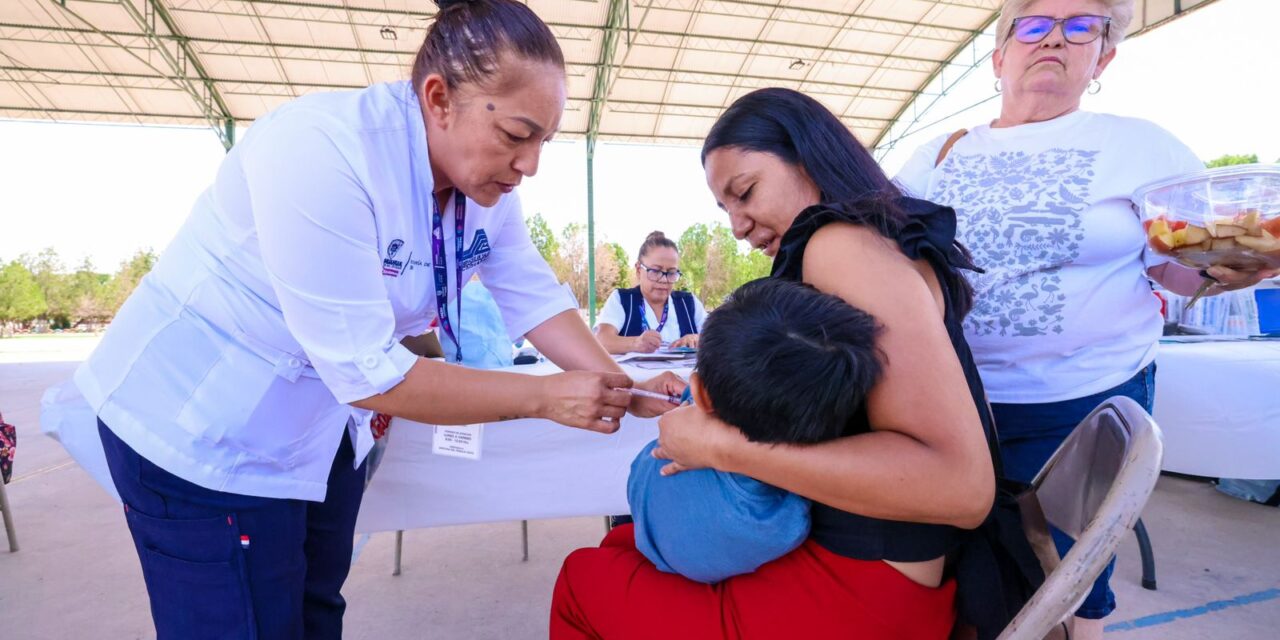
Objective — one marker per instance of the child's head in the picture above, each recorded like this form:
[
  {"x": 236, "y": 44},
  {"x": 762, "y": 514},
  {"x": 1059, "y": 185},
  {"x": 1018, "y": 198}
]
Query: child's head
[{"x": 785, "y": 362}]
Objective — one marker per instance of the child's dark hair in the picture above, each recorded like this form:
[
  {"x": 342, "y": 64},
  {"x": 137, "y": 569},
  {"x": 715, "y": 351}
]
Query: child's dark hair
[
  {"x": 469, "y": 36},
  {"x": 655, "y": 240},
  {"x": 785, "y": 362}
]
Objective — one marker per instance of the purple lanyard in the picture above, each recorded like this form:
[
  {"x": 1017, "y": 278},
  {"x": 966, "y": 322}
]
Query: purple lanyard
[
  {"x": 644, "y": 318},
  {"x": 441, "y": 269}
]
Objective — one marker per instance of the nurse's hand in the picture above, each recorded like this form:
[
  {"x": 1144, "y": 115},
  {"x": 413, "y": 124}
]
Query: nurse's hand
[
  {"x": 647, "y": 342},
  {"x": 590, "y": 400},
  {"x": 667, "y": 384}
]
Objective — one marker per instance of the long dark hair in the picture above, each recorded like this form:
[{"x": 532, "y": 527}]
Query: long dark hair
[
  {"x": 800, "y": 131},
  {"x": 468, "y": 37}
]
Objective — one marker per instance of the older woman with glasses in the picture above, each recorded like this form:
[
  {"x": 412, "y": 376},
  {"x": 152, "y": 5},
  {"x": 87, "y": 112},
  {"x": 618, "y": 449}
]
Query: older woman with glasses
[
  {"x": 653, "y": 314},
  {"x": 1064, "y": 316}
]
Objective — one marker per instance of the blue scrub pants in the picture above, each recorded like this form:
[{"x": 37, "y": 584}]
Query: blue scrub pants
[{"x": 224, "y": 565}]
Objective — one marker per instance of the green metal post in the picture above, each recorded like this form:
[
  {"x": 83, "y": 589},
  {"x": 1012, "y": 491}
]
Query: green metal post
[
  {"x": 230, "y": 126},
  {"x": 591, "y": 230}
]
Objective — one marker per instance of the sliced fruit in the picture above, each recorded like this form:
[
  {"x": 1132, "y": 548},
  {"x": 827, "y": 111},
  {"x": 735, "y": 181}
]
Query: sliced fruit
[
  {"x": 1223, "y": 244},
  {"x": 1196, "y": 235},
  {"x": 1162, "y": 242},
  {"x": 1179, "y": 238},
  {"x": 1229, "y": 231},
  {"x": 1267, "y": 243},
  {"x": 1251, "y": 220},
  {"x": 1158, "y": 227},
  {"x": 1272, "y": 226},
  {"x": 1177, "y": 224}
]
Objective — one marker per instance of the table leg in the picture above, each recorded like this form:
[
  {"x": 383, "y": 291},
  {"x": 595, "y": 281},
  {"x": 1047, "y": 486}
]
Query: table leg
[
  {"x": 524, "y": 535},
  {"x": 8, "y": 520},
  {"x": 399, "y": 547}
]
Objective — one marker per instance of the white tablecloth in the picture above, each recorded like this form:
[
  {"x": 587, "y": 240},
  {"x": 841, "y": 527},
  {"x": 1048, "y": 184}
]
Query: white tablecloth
[
  {"x": 1218, "y": 404},
  {"x": 528, "y": 469}
]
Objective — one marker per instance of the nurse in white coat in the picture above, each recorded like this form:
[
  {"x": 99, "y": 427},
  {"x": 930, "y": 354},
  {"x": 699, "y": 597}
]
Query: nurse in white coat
[{"x": 233, "y": 388}]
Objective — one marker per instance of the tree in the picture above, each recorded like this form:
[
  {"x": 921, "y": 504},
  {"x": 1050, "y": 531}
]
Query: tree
[
  {"x": 544, "y": 238},
  {"x": 624, "y": 277},
  {"x": 608, "y": 270},
  {"x": 20, "y": 297},
  {"x": 127, "y": 278},
  {"x": 710, "y": 260},
  {"x": 1228, "y": 160},
  {"x": 50, "y": 275},
  {"x": 752, "y": 266},
  {"x": 89, "y": 295},
  {"x": 571, "y": 263}
]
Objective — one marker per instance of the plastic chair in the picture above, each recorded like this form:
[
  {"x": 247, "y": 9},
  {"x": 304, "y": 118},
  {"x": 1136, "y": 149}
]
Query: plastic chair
[{"x": 1093, "y": 488}]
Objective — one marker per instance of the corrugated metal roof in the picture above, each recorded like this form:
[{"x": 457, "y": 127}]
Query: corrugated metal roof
[{"x": 670, "y": 66}]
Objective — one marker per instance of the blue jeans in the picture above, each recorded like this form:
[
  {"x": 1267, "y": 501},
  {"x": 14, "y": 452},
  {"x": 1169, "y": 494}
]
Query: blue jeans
[
  {"x": 1030, "y": 433},
  {"x": 224, "y": 565}
]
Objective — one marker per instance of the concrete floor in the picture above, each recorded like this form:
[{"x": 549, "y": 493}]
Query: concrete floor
[{"x": 77, "y": 576}]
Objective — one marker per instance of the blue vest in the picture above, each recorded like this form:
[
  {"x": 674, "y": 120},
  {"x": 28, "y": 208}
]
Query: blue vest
[{"x": 633, "y": 303}]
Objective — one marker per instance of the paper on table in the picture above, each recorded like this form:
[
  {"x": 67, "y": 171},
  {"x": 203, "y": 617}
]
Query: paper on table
[{"x": 664, "y": 364}]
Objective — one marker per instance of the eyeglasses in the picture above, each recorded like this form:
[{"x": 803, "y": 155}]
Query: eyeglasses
[
  {"x": 1076, "y": 29},
  {"x": 658, "y": 275}
]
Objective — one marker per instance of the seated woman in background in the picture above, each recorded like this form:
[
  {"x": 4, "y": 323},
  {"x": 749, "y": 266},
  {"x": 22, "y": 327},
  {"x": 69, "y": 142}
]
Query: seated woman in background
[{"x": 641, "y": 319}]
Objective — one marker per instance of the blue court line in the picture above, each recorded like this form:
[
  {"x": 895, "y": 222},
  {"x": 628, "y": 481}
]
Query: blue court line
[{"x": 1209, "y": 607}]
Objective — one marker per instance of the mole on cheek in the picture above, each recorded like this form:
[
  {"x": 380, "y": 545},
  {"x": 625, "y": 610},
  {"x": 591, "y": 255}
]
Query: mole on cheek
[{"x": 489, "y": 106}]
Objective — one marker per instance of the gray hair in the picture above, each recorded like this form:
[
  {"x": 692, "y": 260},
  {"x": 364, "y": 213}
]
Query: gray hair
[{"x": 1120, "y": 12}]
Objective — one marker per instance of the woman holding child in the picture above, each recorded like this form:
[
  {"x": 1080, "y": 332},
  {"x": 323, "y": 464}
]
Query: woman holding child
[{"x": 894, "y": 496}]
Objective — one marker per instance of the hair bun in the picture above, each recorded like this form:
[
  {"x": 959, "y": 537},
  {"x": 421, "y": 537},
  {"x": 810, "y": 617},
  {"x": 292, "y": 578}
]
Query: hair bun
[
  {"x": 656, "y": 235},
  {"x": 445, "y": 4}
]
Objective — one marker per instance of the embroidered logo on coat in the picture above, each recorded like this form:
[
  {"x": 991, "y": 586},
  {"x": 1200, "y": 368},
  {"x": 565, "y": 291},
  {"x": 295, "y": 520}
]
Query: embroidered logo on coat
[{"x": 391, "y": 266}]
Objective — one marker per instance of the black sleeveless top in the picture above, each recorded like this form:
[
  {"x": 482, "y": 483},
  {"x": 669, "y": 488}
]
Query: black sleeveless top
[
  {"x": 928, "y": 232},
  {"x": 994, "y": 566}
]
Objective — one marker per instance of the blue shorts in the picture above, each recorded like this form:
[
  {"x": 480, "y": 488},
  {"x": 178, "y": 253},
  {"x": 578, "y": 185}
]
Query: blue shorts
[{"x": 1030, "y": 433}]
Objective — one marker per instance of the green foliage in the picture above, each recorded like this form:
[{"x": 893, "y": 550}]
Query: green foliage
[
  {"x": 1228, "y": 160},
  {"x": 624, "y": 277},
  {"x": 126, "y": 279},
  {"x": 713, "y": 264},
  {"x": 21, "y": 299},
  {"x": 543, "y": 238}
]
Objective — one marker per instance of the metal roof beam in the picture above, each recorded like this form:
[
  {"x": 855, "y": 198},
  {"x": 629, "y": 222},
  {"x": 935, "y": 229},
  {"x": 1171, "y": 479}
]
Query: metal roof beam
[
  {"x": 608, "y": 50},
  {"x": 110, "y": 116},
  {"x": 811, "y": 16},
  {"x": 209, "y": 101},
  {"x": 335, "y": 14}
]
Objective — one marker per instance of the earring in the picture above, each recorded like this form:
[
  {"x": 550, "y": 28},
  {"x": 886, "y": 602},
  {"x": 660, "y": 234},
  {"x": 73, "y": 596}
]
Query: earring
[
  {"x": 997, "y": 87},
  {"x": 1094, "y": 86}
]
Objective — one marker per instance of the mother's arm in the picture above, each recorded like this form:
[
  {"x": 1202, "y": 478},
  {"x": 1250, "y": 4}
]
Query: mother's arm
[{"x": 926, "y": 459}]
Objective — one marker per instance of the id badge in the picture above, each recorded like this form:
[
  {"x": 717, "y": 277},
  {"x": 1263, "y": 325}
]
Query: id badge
[{"x": 461, "y": 441}]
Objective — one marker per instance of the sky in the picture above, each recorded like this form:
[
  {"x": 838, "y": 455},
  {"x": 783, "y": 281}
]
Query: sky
[{"x": 103, "y": 192}]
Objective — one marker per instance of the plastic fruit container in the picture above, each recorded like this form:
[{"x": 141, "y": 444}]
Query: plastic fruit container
[{"x": 1220, "y": 217}]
